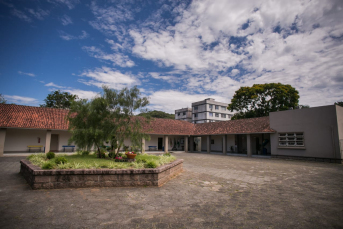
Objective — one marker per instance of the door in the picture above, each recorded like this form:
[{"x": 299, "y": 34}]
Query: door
[
  {"x": 54, "y": 143},
  {"x": 160, "y": 141}
]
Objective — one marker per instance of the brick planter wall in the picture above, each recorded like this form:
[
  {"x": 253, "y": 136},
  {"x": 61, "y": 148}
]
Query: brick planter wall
[{"x": 38, "y": 178}]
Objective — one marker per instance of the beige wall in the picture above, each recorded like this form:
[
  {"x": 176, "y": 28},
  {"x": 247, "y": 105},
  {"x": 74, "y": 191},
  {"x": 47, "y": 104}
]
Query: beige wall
[
  {"x": 319, "y": 125},
  {"x": 339, "y": 113},
  {"x": 19, "y": 139}
]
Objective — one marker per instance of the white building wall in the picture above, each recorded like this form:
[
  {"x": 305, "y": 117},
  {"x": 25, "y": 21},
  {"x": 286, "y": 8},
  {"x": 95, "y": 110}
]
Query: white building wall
[
  {"x": 230, "y": 142},
  {"x": 19, "y": 139},
  {"x": 218, "y": 142}
]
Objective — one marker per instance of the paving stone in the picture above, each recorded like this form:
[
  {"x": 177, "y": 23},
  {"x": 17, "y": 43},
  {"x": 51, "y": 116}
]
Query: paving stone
[{"x": 214, "y": 191}]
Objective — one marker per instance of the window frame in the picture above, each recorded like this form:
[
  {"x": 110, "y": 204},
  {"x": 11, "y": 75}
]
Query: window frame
[
  {"x": 216, "y": 107},
  {"x": 217, "y": 115},
  {"x": 210, "y": 114},
  {"x": 195, "y": 107},
  {"x": 291, "y": 140},
  {"x": 223, "y": 115}
]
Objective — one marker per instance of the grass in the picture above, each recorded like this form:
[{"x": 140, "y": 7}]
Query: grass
[{"x": 77, "y": 161}]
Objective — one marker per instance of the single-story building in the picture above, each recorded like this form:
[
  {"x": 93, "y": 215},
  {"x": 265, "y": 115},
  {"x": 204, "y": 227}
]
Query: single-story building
[{"x": 315, "y": 133}]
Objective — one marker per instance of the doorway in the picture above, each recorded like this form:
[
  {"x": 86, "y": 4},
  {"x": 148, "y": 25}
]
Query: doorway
[
  {"x": 160, "y": 143},
  {"x": 54, "y": 143}
]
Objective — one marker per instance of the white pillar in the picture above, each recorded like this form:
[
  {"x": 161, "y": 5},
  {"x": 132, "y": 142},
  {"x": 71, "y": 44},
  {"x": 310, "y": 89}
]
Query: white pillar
[
  {"x": 191, "y": 142},
  {"x": 166, "y": 143},
  {"x": 47, "y": 141},
  {"x": 186, "y": 144},
  {"x": 224, "y": 144},
  {"x": 143, "y": 145},
  {"x": 249, "y": 153},
  {"x": 2, "y": 141},
  {"x": 208, "y": 143}
]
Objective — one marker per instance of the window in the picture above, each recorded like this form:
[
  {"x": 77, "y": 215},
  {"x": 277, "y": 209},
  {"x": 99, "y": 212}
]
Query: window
[
  {"x": 223, "y": 115},
  {"x": 291, "y": 140},
  {"x": 217, "y": 107},
  {"x": 217, "y": 115},
  {"x": 223, "y": 108},
  {"x": 184, "y": 113},
  {"x": 212, "y": 141},
  {"x": 178, "y": 114},
  {"x": 195, "y": 115},
  {"x": 211, "y": 114},
  {"x": 210, "y": 106},
  {"x": 195, "y": 107}
]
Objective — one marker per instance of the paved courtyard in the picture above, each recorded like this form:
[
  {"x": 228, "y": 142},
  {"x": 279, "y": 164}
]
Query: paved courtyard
[{"x": 214, "y": 191}]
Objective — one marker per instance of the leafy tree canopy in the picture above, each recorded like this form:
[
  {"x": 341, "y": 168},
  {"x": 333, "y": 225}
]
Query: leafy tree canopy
[
  {"x": 108, "y": 118},
  {"x": 260, "y": 99},
  {"x": 157, "y": 114},
  {"x": 339, "y": 103},
  {"x": 58, "y": 99},
  {"x": 2, "y": 99}
]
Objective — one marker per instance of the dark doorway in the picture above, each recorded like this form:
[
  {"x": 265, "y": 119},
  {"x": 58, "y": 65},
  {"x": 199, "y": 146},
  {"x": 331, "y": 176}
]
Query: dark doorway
[
  {"x": 54, "y": 143},
  {"x": 160, "y": 143}
]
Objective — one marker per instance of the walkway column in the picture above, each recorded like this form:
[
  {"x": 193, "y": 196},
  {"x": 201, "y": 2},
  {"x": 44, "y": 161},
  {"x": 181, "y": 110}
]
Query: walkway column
[
  {"x": 2, "y": 141},
  {"x": 143, "y": 145},
  {"x": 224, "y": 144},
  {"x": 166, "y": 143},
  {"x": 208, "y": 143},
  {"x": 186, "y": 144},
  {"x": 249, "y": 153},
  {"x": 191, "y": 142},
  {"x": 47, "y": 141}
]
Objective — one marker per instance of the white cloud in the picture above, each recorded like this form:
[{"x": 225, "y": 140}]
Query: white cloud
[
  {"x": 108, "y": 19},
  {"x": 109, "y": 77},
  {"x": 20, "y": 14},
  {"x": 69, "y": 3},
  {"x": 51, "y": 84},
  {"x": 169, "y": 78},
  {"x": 39, "y": 13},
  {"x": 21, "y": 100},
  {"x": 26, "y": 73},
  {"x": 66, "y": 20},
  {"x": 82, "y": 94},
  {"x": 292, "y": 42},
  {"x": 68, "y": 37},
  {"x": 170, "y": 100},
  {"x": 116, "y": 58}
]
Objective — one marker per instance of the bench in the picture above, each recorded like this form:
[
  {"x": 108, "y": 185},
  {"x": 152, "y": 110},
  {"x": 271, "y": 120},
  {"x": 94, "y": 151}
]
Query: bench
[
  {"x": 35, "y": 146},
  {"x": 72, "y": 148},
  {"x": 152, "y": 148}
]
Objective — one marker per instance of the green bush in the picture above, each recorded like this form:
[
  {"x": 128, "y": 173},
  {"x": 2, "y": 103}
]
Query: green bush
[
  {"x": 85, "y": 153},
  {"x": 50, "y": 155},
  {"x": 48, "y": 165},
  {"x": 61, "y": 160},
  {"x": 167, "y": 154},
  {"x": 151, "y": 164},
  {"x": 141, "y": 160},
  {"x": 102, "y": 155}
]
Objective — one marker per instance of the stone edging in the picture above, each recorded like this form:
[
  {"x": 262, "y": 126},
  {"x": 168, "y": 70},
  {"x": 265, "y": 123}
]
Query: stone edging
[{"x": 74, "y": 178}]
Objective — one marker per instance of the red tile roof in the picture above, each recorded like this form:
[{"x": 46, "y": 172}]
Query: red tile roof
[{"x": 17, "y": 116}]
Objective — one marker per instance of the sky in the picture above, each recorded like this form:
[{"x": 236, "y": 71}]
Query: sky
[{"x": 176, "y": 52}]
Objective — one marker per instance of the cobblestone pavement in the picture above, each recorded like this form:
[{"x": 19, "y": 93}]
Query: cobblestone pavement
[{"x": 214, "y": 191}]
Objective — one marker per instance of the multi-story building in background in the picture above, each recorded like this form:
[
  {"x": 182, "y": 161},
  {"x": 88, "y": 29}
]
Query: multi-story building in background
[
  {"x": 207, "y": 110},
  {"x": 184, "y": 114}
]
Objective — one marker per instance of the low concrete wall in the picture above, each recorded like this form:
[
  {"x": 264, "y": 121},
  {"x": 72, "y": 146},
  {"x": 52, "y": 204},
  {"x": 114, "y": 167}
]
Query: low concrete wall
[{"x": 38, "y": 178}]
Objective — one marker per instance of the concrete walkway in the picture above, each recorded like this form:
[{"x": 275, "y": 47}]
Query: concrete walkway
[{"x": 214, "y": 191}]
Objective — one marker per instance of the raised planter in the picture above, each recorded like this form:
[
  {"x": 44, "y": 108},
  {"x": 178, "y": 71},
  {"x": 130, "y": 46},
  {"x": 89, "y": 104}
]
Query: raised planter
[{"x": 39, "y": 178}]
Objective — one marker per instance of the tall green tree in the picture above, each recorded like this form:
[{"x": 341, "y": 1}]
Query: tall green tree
[
  {"x": 108, "y": 118},
  {"x": 58, "y": 99},
  {"x": 157, "y": 114},
  {"x": 339, "y": 103},
  {"x": 2, "y": 99},
  {"x": 260, "y": 99}
]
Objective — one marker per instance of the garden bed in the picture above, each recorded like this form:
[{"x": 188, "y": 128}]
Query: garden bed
[{"x": 39, "y": 178}]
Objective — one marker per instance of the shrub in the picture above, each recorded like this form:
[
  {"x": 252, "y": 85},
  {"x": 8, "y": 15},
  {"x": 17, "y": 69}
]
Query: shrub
[
  {"x": 167, "y": 154},
  {"x": 151, "y": 164},
  {"x": 141, "y": 160},
  {"x": 85, "y": 153},
  {"x": 50, "y": 155},
  {"x": 61, "y": 160},
  {"x": 48, "y": 165},
  {"x": 102, "y": 154}
]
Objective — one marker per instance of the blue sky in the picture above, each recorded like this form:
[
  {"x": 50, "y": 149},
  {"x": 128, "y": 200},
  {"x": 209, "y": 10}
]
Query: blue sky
[{"x": 177, "y": 52}]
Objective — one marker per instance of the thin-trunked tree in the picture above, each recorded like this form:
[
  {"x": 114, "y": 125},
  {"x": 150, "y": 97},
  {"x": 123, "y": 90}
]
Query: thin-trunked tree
[{"x": 108, "y": 118}]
